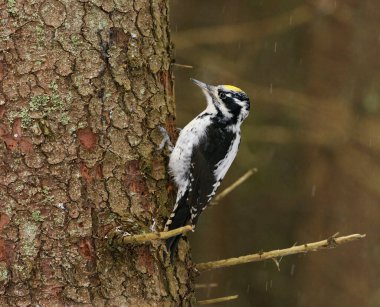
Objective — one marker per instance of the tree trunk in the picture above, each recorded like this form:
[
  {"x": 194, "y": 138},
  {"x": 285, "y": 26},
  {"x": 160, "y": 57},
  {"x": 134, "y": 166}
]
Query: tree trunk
[{"x": 85, "y": 86}]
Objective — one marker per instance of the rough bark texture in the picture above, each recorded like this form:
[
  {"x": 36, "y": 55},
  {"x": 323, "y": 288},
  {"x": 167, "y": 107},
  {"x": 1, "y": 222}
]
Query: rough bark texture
[{"x": 85, "y": 86}]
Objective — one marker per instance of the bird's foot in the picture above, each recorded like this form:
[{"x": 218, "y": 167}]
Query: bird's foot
[{"x": 165, "y": 140}]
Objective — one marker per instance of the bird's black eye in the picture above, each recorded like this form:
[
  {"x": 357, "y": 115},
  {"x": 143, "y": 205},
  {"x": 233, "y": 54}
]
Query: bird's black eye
[{"x": 222, "y": 95}]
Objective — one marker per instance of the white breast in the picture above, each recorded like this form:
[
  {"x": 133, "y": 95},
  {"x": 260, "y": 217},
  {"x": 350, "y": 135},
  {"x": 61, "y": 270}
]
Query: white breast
[{"x": 180, "y": 158}]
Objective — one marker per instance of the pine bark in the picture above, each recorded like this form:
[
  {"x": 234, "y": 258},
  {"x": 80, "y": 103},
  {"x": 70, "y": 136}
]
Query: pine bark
[{"x": 85, "y": 87}]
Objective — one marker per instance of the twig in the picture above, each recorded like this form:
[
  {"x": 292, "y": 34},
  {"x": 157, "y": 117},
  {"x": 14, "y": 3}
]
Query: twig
[
  {"x": 233, "y": 186},
  {"x": 218, "y": 300},
  {"x": 121, "y": 238},
  {"x": 277, "y": 263},
  {"x": 305, "y": 248},
  {"x": 202, "y": 286},
  {"x": 182, "y": 65}
]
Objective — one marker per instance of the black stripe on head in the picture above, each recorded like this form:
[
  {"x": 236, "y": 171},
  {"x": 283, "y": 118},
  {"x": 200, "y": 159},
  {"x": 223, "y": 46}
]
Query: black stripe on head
[
  {"x": 229, "y": 102},
  {"x": 242, "y": 97}
]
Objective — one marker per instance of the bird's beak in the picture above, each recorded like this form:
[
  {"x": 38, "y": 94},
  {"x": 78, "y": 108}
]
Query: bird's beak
[
  {"x": 200, "y": 84},
  {"x": 208, "y": 90},
  {"x": 203, "y": 86}
]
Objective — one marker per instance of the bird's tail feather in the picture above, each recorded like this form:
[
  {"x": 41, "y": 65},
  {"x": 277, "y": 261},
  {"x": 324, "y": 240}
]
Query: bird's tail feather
[
  {"x": 179, "y": 219},
  {"x": 171, "y": 246}
]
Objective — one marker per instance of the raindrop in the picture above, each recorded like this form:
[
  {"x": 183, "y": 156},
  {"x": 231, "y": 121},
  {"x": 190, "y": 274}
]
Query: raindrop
[
  {"x": 292, "y": 269},
  {"x": 290, "y": 20},
  {"x": 275, "y": 47},
  {"x": 271, "y": 88},
  {"x": 313, "y": 189}
]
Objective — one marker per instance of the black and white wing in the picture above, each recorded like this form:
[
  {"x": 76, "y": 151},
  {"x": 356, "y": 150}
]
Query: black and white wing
[{"x": 209, "y": 163}]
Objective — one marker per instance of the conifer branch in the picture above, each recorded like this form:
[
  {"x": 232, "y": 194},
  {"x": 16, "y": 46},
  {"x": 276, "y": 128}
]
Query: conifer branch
[
  {"x": 218, "y": 300},
  {"x": 331, "y": 242},
  {"x": 119, "y": 237}
]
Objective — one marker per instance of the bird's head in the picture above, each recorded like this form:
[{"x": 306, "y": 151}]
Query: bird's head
[{"x": 226, "y": 100}]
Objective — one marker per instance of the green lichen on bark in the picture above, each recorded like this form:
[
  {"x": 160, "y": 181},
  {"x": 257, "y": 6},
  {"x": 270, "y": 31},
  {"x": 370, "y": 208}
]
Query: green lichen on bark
[
  {"x": 4, "y": 274},
  {"x": 11, "y": 7},
  {"x": 36, "y": 215}
]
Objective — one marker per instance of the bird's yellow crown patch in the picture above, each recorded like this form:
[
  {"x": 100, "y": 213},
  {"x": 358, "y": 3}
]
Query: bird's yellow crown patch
[{"x": 233, "y": 88}]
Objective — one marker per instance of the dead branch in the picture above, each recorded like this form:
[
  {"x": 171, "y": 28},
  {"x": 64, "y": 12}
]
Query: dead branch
[
  {"x": 206, "y": 286},
  {"x": 233, "y": 186},
  {"x": 119, "y": 237},
  {"x": 331, "y": 242},
  {"x": 218, "y": 300},
  {"x": 182, "y": 65}
]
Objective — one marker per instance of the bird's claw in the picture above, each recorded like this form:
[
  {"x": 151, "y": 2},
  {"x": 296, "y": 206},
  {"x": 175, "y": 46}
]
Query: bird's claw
[{"x": 165, "y": 140}]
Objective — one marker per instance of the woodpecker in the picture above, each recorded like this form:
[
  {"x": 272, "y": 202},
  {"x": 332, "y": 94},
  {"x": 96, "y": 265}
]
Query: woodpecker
[{"x": 204, "y": 152}]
